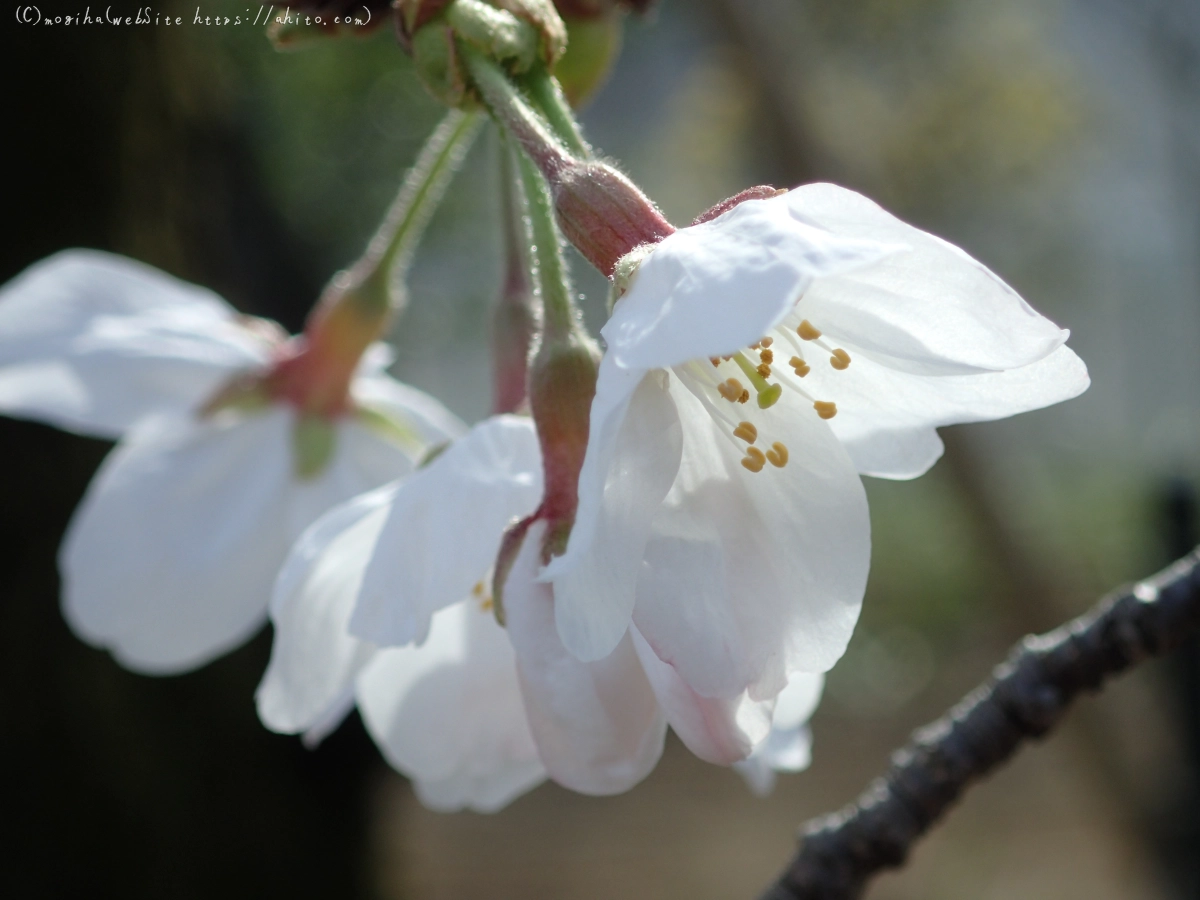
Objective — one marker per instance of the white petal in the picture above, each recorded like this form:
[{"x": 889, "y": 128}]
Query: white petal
[
  {"x": 91, "y": 342},
  {"x": 798, "y": 701},
  {"x": 433, "y": 422},
  {"x": 314, "y": 659},
  {"x": 752, "y": 576},
  {"x": 597, "y": 725},
  {"x": 930, "y": 308},
  {"x": 444, "y": 526},
  {"x": 714, "y": 288},
  {"x": 449, "y": 715},
  {"x": 787, "y": 750},
  {"x": 170, "y": 558},
  {"x": 718, "y": 730},
  {"x": 595, "y": 581},
  {"x": 887, "y": 418}
]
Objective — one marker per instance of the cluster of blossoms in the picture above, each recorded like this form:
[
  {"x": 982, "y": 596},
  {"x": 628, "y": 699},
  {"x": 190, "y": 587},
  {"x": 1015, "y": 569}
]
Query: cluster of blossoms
[{"x": 671, "y": 532}]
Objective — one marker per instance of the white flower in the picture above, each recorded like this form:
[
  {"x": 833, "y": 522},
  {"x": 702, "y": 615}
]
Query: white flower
[
  {"x": 756, "y": 365},
  {"x": 169, "y": 559},
  {"x": 472, "y": 722},
  {"x": 409, "y": 563}
]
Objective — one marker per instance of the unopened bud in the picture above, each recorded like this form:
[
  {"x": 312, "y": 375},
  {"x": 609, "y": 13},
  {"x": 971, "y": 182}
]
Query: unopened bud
[
  {"x": 592, "y": 48},
  {"x": 542, "y": 15},
  {"x": 604, "y": 214},
  {"x": 413, "y": 15}
]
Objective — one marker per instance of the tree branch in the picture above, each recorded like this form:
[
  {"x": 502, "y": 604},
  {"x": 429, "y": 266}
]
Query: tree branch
[{"x": 1025, "y": 698}]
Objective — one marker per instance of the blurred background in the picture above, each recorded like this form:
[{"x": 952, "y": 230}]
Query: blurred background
[{"x": 1057, "y": 140}]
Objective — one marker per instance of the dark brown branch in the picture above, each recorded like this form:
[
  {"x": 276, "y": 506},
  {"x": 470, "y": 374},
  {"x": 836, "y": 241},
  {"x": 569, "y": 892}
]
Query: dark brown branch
[{"x": 1025, "y": 698}]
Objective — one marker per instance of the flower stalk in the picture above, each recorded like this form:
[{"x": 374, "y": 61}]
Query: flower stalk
[
  {"x": 356, "y": 307},
  {"x": 600, "y": 211},
  {"x": 514, "y": 319}
]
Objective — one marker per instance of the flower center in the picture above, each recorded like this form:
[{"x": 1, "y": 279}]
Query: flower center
[{"x": 756, "y": 364}]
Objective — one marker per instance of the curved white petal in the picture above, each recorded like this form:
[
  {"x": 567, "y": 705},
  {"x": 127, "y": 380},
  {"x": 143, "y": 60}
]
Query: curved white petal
[
  {"x": 448, "y": 714},
  {"x": 411, "y": 407},
  {"x": 928, "y": 308},
  {"x": 788, "y": 748},
  {"x": 749, "y": 577},
  {"x": 886, "y": 418},
  {"x": 443, "y": 529},
  {"x": 595, "y": 581},
  {"x": 714, "y": 288},
  {"x": 597, "y": 725},
  {"x": 314, "y": 658},
  {"x": 170, "y": 558},
  {"x": 91, "y": 342},
  {"x": 718, "y": 730}
]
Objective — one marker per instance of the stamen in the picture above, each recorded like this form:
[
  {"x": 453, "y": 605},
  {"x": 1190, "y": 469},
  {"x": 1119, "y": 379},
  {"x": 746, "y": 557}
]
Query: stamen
[
  {"x": 767, "y": 393},
  {"x": 763, "y": 369},
  {"x": 744, "y": 397},
  {"x": 766, "y": 342},
  {"x": 478, "y": 589},
  {"x": 746, "y": 431},
  {"x": 825, "y": 409},
  {"x": 840, "y": 360},
  {"x": 766, "y": 356},
  {"x": 731, "y": 389},
  {"x": 715, "y": 360},
  {"x": 754, "y": 459},
  {"x": 778, "y": 455},
  {"x": 807, "y": 331},
  {"x": 799, "y": 366}
]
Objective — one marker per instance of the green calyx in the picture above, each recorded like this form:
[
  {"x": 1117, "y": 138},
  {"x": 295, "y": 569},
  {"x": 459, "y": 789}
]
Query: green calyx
[{"x": 314, "y": 439}]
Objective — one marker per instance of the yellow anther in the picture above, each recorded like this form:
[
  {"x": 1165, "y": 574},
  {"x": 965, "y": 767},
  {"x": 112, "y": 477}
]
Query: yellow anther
[
  {"x": 799, "y": 366},
  {"x": 764, "y": 370},
  {"x": 766, "y": 342},
  {"x": 756, "y": 345},
  {"x": 777, "y": 455},
  {"x": 840, "y": 359},
  {"x": 478, "y": 589},
  {"x": 825, "y": 409},
  {"x": 731, "y": 389},
  {"x": 754, "y": 459},
  {"x": 715, "y": 360},
  {"x": 488, "y": 604},
  {"x": 745, "y": 395},
  {"x": 807, "y": 332},
  {"x": 746, "y": 431},
  {"x": 766, "y": 356}
]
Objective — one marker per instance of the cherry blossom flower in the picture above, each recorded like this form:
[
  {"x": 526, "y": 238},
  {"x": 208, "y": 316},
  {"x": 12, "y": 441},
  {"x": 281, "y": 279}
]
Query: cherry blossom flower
[
  {"x": 170, "y": 557},
  {"x": 384, "y": 603},
  {"x": 757, "y": 363}
]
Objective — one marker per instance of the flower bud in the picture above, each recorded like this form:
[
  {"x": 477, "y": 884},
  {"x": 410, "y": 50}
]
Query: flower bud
[
  {"x": 604, "y": 214},
  {"x": 592, "y": 48},
  {"x": 542, "y": 15}
]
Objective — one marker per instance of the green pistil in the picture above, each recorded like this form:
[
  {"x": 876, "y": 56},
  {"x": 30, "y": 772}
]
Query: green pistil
[{"x": 767, "y": 393}]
